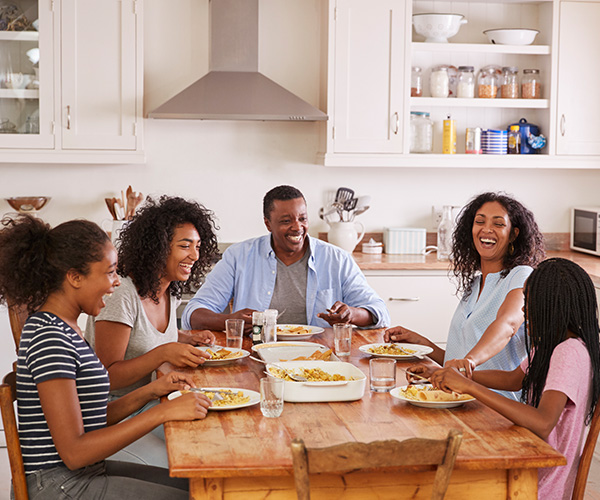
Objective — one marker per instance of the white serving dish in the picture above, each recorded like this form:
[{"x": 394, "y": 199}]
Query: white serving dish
[
  {"x": 511, "y": 36},
  {"x": 287, "y": 351},
  {"x": 437, "y": 28},
  {"x": 318, "y": 392}
]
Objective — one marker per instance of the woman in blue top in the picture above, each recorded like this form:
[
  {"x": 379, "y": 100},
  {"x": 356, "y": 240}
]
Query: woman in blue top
[
  {"x": 67, "y": 427},
  {"x": 496, "y": 244}
]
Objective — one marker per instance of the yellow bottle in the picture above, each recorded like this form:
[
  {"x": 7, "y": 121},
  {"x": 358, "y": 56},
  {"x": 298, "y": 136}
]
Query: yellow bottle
[{"x": 449, "y": 137}]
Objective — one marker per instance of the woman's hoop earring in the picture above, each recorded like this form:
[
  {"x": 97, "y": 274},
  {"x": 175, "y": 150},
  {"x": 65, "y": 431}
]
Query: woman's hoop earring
[{"x": 511, "y": 248}]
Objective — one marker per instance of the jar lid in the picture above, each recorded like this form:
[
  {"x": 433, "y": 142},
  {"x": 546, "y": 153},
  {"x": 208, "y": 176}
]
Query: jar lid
[
  {"x": 420, "y": 113},
  {"x": 465, "y": 68},
  {"x": 511, "y": 69},
  {"x": 531, "y": 71}
]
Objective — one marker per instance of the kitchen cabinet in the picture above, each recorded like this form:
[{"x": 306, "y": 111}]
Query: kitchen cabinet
[
  {"x": 422, "y": 301},
  {"x": 89, "y": 99},
  {"x": 376, "y": 70}
]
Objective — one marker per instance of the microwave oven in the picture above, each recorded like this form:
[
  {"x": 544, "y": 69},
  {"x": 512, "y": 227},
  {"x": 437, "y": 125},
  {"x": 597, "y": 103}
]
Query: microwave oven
[{"x": 585, "y": 229}]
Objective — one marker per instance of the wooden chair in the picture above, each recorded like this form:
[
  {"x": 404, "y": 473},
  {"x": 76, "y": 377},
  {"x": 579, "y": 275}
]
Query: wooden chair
[
  {"x": 379, "y": 454},
  {"x": 8, "y": 394},
  {"x": 586, "y": 456},
  {"x": 17, "y": 316}
]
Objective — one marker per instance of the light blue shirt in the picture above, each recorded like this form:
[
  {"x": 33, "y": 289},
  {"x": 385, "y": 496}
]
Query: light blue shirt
[
  {"x": 247, "y": 274},
  {"x": 476, "y": 312}
]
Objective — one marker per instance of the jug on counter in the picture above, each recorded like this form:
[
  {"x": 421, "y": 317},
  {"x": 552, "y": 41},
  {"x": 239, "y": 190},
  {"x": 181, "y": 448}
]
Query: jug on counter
[{"x": 345, "y": 235}]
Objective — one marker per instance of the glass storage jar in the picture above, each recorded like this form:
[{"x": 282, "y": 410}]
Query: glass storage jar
[
  {"x": 509, "y": 88},
  {"x": 421, "y": 132},
  {"x": 416, "y": 82},
  {"x": 531, "y": 88},
  {"x": 466, "y": 82},
  {"x": 487, "y": 82},
  {"x": 439, "y": 82}
]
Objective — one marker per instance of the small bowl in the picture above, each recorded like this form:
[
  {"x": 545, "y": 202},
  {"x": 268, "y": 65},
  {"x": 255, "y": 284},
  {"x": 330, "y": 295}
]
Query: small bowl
[
  {"x": 437, "y": 28},
  {"x": 28, "y": 203},
  {"x": 511, "y": 36}
]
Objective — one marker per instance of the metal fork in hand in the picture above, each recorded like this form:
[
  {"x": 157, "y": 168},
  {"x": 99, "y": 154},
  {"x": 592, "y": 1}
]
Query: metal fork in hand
[{"x": 217, "y": 396}]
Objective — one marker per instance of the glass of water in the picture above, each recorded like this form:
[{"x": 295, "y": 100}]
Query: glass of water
[
  {"x": 382, "y": 372},
  {"x": 342, "y": 333},
  {"x": 234, "y": 330},
  {"x": 271, "y": 396}
]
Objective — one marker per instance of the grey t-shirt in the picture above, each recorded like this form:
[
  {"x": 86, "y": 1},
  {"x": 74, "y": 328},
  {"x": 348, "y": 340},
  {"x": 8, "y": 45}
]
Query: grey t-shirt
[
  {"x": 125, "y": 306},
  {"x": 289, "y": 294}
]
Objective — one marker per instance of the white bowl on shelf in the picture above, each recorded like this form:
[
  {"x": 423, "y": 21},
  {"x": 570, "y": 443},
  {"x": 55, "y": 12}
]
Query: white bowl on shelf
[
  {"x": 511, "y": 36},
  {"x": 437, "y": 28}
]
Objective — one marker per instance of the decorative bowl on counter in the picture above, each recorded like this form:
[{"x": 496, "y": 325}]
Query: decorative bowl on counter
[
  {"x": 437, "y": 28},
  {"x": 27, "y": 203},
  {"x": 511, "y": 36}
]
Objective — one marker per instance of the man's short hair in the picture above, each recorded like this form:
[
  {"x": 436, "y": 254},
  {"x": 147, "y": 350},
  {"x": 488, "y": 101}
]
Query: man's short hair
[{"x": 282, "y": 193}]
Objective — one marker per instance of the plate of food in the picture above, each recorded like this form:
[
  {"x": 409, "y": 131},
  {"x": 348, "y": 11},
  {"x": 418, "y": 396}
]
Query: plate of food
[
  {"x": 224, "y": 398},
  {"x": 396, "y": 350},
  {"x": 425, "y": 396},
  {"x": 223, "y": 355},
  {"x": 297, "y": 332}
]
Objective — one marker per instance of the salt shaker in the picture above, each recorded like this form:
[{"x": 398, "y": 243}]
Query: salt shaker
[{"x": 269, "y": 331}]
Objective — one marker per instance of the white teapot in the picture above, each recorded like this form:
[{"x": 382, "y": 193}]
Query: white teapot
[{"x": 345, "y": 235}]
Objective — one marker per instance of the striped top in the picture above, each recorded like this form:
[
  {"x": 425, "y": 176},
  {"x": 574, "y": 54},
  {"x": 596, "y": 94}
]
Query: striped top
[{"x": 51, "y": 349}]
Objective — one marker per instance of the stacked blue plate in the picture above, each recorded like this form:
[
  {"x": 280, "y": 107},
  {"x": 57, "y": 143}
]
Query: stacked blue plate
[{"x": 494, "y": 142}]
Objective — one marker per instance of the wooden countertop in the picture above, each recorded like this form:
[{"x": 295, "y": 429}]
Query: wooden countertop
[{"x": 389, "y": 262}]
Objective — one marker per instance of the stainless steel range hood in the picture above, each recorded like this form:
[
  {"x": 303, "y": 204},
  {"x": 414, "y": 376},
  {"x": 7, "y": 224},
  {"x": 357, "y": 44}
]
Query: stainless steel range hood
[{"x": 234, "y": 89}]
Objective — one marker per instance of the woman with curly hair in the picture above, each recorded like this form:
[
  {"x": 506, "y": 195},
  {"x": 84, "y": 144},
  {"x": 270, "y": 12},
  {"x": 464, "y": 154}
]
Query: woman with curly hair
[
  {"x": 164, "y": 250},
  {"x": 496, "y": 245}
]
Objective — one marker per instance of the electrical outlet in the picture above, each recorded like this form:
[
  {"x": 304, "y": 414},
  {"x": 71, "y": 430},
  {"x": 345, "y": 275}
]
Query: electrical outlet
[{"x": 436, "y": 216}]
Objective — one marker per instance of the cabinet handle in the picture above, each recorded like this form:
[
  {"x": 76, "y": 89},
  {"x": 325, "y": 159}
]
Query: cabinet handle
[
  {"x": 68, "y": 117},
  {"x": 404, "y": 299},
  {"x": 397, "y": 123},
  {"x": 563, "y": 122}
]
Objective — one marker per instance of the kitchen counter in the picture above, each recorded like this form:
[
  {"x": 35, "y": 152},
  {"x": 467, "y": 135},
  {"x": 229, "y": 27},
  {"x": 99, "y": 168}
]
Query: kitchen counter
[{"x": 388, "y": 262}]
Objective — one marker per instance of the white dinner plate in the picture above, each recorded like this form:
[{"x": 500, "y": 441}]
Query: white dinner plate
[
  {"x": 254, "y": 397},
  {"x": 219, "y": 362},
  {"x": 283, "y": 335},
  {"x": 420, "y": 350},
  {"x": 396, "y": 393}
]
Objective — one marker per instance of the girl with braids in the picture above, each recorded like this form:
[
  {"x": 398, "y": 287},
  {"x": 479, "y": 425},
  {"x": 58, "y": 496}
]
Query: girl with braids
[
  {"x": 496, "y": 245},
  {"x": 165, "y": 250},
  {"x": 67, "y": 427},
  {"x": 560, "y": 378}
]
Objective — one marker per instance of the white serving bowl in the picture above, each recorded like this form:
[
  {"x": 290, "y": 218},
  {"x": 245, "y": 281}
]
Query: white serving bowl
[
  {"x": 511, "y": 36},
  {"x": 438, "y": 28}
]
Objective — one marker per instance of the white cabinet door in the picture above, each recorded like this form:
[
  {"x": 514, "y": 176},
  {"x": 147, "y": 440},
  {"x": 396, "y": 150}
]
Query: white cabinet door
[
  {"x": 99, "y": 102},
  {"x": 368, "y": 76},
  {"x": 420, "y": 301},
  {"x": 578, "y": 113}
]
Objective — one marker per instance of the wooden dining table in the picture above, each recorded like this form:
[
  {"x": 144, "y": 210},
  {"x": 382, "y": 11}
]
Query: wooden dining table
[{"x": 239, "y": 454}]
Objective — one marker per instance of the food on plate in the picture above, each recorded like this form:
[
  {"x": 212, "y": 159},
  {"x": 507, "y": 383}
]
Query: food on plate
[
  {"x": 230, "y": 398},
  {"x": 224, "y": 354},
  {"x": 297, "y": 330},
  {"x": 428, "y": 393},
  {"x": 315, "y": 356},
  {"x": 391, "y": 349},
  {"x": 311, "y": 374}
]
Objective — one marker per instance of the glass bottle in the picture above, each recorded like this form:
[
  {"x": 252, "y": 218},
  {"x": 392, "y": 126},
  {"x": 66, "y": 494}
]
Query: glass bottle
[
  {"x": 466, "y": 82},
  {"x": 531, "y": 88},
  {"x": 269, "y": 331},
  {"x": 421, "y": 132},
  {"x": 487, "y": 83},
  {"x": 416, "y": 82},
  {"x": 509, "y": 88},
  {"x": 514, "y": 140},
  {"x": 258, "y": 320},
  {"x": 444, "y": 234},
  {"x": 439, "y": 82}
]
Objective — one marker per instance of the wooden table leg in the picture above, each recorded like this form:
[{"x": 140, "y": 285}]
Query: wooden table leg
[
  {"x": 206, "y": 489},
  {"x": 522, "y": 483}
]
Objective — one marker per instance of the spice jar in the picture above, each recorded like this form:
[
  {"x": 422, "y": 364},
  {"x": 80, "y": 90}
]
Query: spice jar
[
  {"x": 509, "y": 89},
  {"x": 416, "y": 82},
  {"x": 466, "y": 82},
  {"x": 421, "y": 132},
  {"x": 531, "y": 87},
  {"x": 439, "y": 82},
  {"x": 487, "y": 83}
]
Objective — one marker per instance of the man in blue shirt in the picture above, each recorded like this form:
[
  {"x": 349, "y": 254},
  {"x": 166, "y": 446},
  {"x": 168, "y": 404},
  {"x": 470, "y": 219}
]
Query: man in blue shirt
[{"x": 309, "y": 281}]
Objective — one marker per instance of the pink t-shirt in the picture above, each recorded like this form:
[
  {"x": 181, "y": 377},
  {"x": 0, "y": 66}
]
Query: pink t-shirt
[{"x": 570, "y": 372}]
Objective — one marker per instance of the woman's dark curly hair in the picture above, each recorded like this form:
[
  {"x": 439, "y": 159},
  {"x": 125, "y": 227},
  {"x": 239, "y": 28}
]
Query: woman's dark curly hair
[
  {"x": 144, "y": 244},
  {"x": 528, "y": 246},
  {"x": 35, "y": 258}
]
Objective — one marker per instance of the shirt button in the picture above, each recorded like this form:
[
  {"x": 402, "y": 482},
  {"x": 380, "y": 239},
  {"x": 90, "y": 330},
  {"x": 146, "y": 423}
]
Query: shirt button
[
  {"x": 272, "y": 272},
  {"x": 268, "y": 293}
]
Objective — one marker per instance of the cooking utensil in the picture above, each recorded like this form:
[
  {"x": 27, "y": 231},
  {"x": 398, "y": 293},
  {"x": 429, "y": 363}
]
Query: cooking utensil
[
  {"x": 292, "y": 375},
  {"x": 343, "y": 194},
  {"x": 360, "y": 210}
]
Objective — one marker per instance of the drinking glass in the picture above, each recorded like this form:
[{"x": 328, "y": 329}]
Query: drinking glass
[
  {"x": 382, "y": 372},
  {"x": 234, "y": 330},
  {"x": 271, "y": 396},
  {"x": 342, "y": 333}
]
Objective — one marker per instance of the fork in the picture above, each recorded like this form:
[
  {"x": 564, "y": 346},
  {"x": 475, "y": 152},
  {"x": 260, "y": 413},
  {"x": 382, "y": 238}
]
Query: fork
[{"x": 217, "y": 395}]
